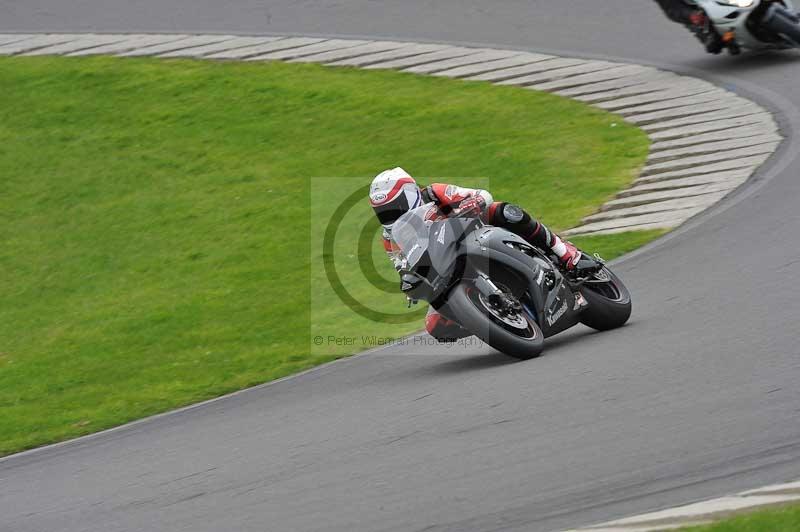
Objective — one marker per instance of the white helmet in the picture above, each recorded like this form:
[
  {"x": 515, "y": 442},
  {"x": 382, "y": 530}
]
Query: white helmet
[{"x": 392, "y": 194}]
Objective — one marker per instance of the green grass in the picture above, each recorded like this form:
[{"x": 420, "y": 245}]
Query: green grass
[
  {"x": 784, "y": 519},
  {"x": 612, "y": 246},
  {"x": 160, "y": 227}
]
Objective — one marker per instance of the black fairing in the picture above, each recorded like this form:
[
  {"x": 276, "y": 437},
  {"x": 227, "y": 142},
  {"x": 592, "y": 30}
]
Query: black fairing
[{"x": 461, "y": 248}]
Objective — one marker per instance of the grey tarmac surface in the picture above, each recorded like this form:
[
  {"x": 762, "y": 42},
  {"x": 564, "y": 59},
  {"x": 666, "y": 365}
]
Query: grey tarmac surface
[{"x": 698, "y": 397}]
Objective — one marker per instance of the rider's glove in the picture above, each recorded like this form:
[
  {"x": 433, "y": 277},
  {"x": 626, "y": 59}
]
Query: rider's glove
[{"x": 474, "y": 205}]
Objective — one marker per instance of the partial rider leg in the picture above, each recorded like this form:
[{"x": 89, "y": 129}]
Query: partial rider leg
[
  {"x": 519, "y": 222},
  {"x": 695, "y": 20}
]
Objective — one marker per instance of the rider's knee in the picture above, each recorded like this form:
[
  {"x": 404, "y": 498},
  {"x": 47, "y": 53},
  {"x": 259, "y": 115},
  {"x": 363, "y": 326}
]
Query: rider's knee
[{"x": 511, "y": 216}]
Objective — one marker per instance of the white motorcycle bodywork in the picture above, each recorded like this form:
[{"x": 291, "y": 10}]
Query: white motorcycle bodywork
[{"x": 726, "y": 18}]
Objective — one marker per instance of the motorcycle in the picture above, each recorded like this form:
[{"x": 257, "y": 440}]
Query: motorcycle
[
  {"x": 752, "y": 24},
  {"x": 500, "y": 288}
]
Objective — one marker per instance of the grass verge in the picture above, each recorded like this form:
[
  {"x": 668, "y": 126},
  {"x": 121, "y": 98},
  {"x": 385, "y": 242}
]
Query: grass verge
[
  {"x": 784, "y": 519},
  {"x": 155, "y": 216}
]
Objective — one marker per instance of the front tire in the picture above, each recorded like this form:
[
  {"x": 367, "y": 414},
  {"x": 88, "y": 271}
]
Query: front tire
[
  {"x": 609, "y": 301},
  {"x": 518, "y": 336}
]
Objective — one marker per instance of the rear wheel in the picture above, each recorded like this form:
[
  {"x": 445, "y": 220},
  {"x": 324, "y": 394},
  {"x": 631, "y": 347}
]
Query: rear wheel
[
  {"x": 609, "y": 301},
  {"x": 514, "y": 333}
]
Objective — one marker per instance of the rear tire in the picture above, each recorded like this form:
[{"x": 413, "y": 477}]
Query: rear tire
[
  {"x": 609, "y": 302},
  {"x": 465, "y": 306}
]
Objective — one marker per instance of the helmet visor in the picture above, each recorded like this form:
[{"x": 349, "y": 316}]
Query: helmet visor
[{"x": 389, "y": 212}]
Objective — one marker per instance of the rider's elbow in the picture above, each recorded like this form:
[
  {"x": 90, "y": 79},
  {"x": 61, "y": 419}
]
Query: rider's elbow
[{"x": 487, "y": 197}]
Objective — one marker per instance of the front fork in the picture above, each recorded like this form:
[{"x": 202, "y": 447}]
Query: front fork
[
  {"x": 494, "y": 295},
  {"x": 486, "y": 287}
]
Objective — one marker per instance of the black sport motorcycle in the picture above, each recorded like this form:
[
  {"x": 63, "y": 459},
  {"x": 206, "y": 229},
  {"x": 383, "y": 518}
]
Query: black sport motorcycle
[{"x": 493, "y": 283}]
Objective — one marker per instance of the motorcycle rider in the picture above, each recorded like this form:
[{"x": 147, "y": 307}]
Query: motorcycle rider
[
  {"x": 394, "y": 192},
  {"x": 695, "y": 20}
]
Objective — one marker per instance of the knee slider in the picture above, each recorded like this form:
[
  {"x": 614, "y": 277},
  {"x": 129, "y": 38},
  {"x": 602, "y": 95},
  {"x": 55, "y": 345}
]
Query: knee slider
[
  {"x": 514, "y": 218},
  {"x": 514, "y": 214}
]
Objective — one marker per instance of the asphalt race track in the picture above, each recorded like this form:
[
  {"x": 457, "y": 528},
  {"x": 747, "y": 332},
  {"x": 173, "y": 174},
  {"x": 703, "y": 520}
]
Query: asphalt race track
[{"x": 696, "y": 398}]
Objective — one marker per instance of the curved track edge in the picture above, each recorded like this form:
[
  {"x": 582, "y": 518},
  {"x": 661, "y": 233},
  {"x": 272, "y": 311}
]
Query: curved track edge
[
  {"x": 705, "y": 512},
  {"x": 705, "y": 141}
]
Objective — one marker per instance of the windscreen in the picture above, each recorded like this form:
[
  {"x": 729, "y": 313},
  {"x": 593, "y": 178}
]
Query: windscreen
[{"x": 410, "y": 233}]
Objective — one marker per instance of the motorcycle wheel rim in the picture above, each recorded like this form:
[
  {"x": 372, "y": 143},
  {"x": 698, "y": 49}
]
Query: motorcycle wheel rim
[
  {"x": 519, "y": 326},
  {"x": 603, "y": 284}
]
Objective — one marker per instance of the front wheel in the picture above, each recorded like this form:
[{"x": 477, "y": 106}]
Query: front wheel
[
  {"x": 514, "y": 333},
  {"x": 609, "y": 301}
]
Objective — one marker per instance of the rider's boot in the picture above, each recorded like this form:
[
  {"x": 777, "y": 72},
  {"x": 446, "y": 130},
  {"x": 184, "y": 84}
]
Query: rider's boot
[
  {"x": 518, "y": 221},
  {"x": 568, "y": 255},
  {"x": 577, "y": 262}
]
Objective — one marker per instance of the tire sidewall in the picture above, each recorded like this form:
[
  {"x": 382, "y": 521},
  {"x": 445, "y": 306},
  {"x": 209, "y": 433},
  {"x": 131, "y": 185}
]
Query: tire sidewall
[
  {"x": 462, "y": 309},
  {"x": 602, "y": 313}
]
